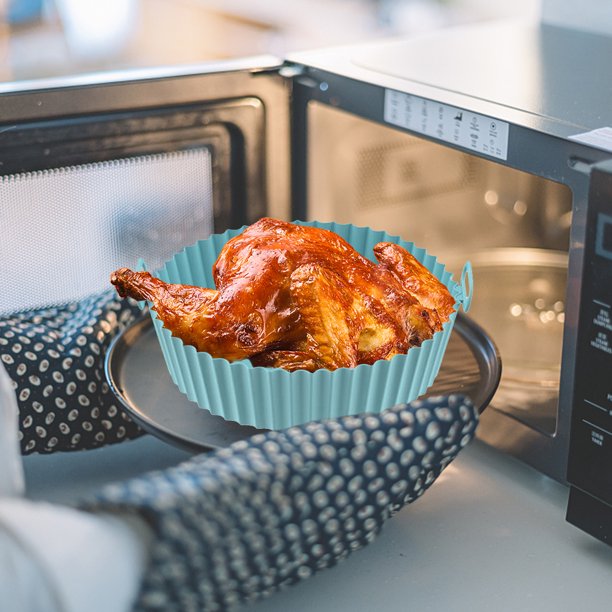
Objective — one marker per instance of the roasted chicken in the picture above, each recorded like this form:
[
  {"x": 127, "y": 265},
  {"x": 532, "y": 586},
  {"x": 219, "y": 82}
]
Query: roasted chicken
[{"x": 300, "y": 298}]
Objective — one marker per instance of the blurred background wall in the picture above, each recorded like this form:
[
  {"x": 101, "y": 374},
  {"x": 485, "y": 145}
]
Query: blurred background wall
[{"x": 42, "y": 38}]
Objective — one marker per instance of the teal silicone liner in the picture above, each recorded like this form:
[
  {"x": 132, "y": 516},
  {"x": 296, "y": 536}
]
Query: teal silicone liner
[{"x": 273, "y": 398}]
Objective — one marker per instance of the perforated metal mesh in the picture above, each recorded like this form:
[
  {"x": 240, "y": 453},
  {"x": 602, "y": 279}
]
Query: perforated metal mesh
[{"x": 63, "y": 231}]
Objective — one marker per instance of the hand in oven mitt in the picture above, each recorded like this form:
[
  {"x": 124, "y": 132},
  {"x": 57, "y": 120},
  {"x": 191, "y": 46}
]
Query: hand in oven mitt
[
  {"x": 239, "y": 523},
  {"x": 55, "y": 359}
]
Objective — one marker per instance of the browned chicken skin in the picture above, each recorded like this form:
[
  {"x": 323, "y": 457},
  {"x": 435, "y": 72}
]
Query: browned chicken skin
[{"x": 299, "y": 297}]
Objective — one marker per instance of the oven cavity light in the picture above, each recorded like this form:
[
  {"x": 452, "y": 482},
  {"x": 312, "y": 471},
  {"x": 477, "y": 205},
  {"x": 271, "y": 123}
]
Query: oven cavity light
[
  {"x": 516, "y": 310},
  {"x": 491, "y": 197},
  {"x": 520, "y": 208},
  {"x": 546, "y": 316},
  {"x": 538, "y": 312}
]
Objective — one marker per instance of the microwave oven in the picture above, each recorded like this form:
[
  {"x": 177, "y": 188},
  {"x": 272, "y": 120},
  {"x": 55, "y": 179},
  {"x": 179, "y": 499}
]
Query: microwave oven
[{"x": 491, "y": 144}]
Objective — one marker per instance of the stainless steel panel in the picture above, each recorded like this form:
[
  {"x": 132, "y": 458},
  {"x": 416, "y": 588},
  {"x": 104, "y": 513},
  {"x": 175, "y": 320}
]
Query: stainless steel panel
[{"x": 542, "y": 77}]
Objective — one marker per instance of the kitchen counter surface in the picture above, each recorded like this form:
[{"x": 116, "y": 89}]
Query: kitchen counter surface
[{"x": 490, "y": 534}]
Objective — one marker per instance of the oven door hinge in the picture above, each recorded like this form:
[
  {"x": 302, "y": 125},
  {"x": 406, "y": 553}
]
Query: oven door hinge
[
  {"x": 581, "y": 165},
  {"x": 301, "y": 75},
  {"x": 586, "y": 166}
]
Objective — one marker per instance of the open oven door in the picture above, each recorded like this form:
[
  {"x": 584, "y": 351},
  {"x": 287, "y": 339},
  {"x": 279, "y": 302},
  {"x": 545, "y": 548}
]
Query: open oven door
[
  {"x": 98, "y": 171},
  {"x": 590, "y": 454}
]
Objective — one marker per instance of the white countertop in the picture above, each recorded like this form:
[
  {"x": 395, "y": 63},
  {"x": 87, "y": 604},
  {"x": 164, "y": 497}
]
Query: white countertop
[{"x": 490, "y": 534}]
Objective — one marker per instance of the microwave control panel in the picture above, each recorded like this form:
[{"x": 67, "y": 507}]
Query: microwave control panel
[
  {"x": 590, "y": 455},
  {"x": 465, "y": 129}
]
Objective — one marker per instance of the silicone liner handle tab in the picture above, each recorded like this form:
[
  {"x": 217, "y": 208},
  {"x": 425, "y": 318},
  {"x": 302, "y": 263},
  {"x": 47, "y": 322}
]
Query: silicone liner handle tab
[{"x": 467, "y": 286}]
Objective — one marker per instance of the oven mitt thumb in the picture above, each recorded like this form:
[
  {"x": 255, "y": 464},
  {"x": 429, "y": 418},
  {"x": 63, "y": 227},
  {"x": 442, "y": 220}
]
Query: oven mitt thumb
[
  {"x": 239, "y": 523},
  {"x": 55, "y": 359}
]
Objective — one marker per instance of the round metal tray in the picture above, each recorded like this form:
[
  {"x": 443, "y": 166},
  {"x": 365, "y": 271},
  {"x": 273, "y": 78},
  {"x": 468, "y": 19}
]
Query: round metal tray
[{"x": 137, "y": 374}]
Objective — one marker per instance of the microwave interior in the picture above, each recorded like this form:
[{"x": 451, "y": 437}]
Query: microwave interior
[
  {"x": 96, "y": 175},
  {"x": 512, "y": 226}
]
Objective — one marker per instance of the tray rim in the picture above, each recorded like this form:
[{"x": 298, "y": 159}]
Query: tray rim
[{"x": 472, "y": 333}]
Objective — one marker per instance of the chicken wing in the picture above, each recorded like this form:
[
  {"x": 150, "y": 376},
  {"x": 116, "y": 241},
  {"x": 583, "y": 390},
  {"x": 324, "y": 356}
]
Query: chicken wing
[
  {"x": 416, "y": 278},
  {"x": 299, "y": 297}
]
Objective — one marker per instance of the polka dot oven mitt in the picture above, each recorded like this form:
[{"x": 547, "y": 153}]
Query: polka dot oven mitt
[
  {"x": 55, "y": 358},
  {"x": 237, "y": 524}
]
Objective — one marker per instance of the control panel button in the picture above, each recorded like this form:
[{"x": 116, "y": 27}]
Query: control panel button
[{"x": 603, "y": 237}]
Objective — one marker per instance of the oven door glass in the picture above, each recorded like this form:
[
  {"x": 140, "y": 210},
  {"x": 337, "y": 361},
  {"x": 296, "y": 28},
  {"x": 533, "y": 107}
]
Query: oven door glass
[{"x": 97, "y": 173}]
